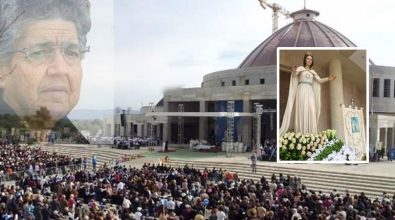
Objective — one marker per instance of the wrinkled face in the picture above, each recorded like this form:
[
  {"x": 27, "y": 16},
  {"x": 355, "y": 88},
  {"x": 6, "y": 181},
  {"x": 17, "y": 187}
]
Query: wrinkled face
[
  {"x": 309, "y": 60},
  {"x": 45, "y": 71}
]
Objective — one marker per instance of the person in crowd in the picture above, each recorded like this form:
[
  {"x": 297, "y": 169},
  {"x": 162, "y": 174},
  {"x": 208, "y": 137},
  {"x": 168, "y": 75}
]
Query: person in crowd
[
  {"x": 94, "y": 162},
  {"x": 253, "y": 161}
]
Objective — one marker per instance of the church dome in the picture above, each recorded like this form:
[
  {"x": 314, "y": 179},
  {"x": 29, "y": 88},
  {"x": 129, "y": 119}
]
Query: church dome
[{"x": 304, "y": 31}]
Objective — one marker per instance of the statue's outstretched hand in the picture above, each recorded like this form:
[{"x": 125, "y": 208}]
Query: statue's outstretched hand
[{"x": 331, "y": 77}]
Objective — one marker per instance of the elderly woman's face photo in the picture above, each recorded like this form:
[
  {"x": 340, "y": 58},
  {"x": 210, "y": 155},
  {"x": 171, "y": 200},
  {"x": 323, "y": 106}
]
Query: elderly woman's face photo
[{"x": 45, "y": 70}]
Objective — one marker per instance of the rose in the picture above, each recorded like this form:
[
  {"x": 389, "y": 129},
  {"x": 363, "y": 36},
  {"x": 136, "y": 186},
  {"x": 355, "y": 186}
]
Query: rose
[
  {"x": 285, "y": 142},
  {"x": 320, "y": 146},
  {"x": 283, "y": 148},
  {"x": 303, "y": 153},
  {"x": 299, "y": 146},
  {"x": 303, "y": 148},
  {"x": 309, "y": 154},
  {"x": 308, "y": 147},
  {"x": 293, "y": 140},
  {"x": 291, "y": 146},
  {"x": 313, "y": 149}
]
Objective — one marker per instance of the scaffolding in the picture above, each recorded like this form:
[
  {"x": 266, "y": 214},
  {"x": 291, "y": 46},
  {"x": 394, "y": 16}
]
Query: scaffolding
[
  {"x": 230, "y": 127},
  {"x": 259, "y": 112}
]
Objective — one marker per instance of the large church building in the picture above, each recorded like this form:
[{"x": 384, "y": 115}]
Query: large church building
[{"x": 204, "y": 113}]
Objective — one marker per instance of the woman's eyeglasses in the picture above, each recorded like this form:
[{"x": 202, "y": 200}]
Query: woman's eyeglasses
[{"x": 44, "y": 53}]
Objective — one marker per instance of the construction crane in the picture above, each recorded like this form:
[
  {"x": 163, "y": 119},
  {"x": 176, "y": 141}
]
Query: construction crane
[{"x": 276, "y": 9}]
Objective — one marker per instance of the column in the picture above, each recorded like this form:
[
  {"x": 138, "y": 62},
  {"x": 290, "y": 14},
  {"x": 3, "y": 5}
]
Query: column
[
  {"x": 167, "y": 123},
  {"x": 202, "y": 121},
  {"x": 158, "y": 130},
  {"x": 127, "y": 125},
  {"x": 139, "y": 130},
  {"x": 373, "y": 129},
  {"x": 131, "y": 133},
  {"x": 393, "y": 137},
  {"x": 145, "y": 130},
  {"x": 112, "y": 129},
  {"x": 336, "y": 97},
  {"x": 384, "y": 146},
  {"x": 246, "y": 125}
]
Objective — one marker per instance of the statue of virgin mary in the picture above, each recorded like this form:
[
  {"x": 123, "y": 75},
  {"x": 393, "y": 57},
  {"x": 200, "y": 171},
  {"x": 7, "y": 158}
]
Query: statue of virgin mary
[{"x": 304, "y": 99}]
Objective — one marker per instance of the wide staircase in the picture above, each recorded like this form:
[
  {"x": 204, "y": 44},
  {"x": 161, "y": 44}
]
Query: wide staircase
[
  {"x": 373, "y": 186},
  {"x": 103, "y": 154}
]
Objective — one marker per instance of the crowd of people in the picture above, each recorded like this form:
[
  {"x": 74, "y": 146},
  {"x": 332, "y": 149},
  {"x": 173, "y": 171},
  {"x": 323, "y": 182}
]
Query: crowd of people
[
  {"x": 16, "y": 160},
  {"x": 163, "y": 192},
  {"x": 135, "y": 142},
  {"x": 268, "y": 150}
]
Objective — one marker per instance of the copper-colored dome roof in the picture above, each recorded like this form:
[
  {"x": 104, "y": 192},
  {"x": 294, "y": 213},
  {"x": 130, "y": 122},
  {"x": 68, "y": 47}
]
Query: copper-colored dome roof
[{"x": 304, "y": 31}]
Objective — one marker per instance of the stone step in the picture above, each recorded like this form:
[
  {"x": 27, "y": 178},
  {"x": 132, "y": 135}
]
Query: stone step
[
  {"x": 357, "y": 185},
  {"x": 295, "y": 171},
  {"x": 79, "y": 149},
  {"x": 354, "y": 183},
  {"x": 102, "y": 156},
  {"x": 286, "y": 170},
  {"x": 328, "y": 185}
]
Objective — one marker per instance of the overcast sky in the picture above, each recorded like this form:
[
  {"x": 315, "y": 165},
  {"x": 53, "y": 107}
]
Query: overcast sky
[{"x": 141, "y": 47}]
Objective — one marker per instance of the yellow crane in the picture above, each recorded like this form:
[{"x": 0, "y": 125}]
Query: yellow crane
[{"x": 276, "y": 9}]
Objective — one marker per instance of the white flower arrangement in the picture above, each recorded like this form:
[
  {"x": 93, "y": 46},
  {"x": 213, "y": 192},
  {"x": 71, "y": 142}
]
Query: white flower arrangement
[{"x": 309, "y": 146}]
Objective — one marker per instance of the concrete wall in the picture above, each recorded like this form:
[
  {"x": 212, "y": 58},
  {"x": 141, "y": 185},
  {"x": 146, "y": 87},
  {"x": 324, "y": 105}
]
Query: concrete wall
[
  {"x": 382, "y": 125},
  {"x": 381, "y": 103},
  {"x": 253, "y": 74},
  {"x": 254, "y": 92}
]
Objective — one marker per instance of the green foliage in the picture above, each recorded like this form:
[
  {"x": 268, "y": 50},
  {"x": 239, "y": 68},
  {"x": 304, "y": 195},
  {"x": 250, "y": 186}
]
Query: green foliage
[
  {"x": 9, "y": 121},
  {"x": 41, "y": 120},
  {"x": 329, "y": 149},
  {"x": 331, "y": 134},
  {"x": 292, "y": 155}
]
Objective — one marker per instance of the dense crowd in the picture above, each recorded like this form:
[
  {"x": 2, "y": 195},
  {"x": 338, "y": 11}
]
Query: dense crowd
[
  {"x": 135, "y": 142},
  {"x": 16, "y": 159},
  {"x": 158, "y": 191}
]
